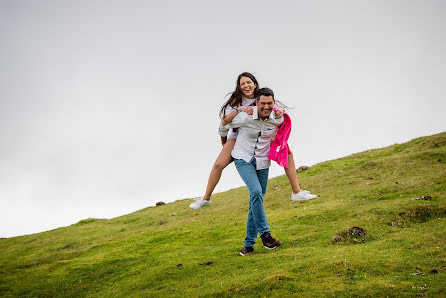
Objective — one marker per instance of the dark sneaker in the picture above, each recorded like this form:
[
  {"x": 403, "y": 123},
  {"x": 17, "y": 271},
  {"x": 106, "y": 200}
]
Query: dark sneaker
[
  {"x": 246, "y": 251},
  {"x": 269, "y": 242}
]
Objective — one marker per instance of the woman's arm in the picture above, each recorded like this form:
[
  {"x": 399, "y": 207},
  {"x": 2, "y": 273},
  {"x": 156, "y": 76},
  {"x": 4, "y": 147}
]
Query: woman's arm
[{"x": 228, "y": 118}]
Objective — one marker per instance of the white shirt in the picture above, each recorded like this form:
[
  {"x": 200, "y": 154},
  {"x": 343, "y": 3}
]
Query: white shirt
[
  {"x": 224, "y": 131},
  {"x": 254, "y": 137}
]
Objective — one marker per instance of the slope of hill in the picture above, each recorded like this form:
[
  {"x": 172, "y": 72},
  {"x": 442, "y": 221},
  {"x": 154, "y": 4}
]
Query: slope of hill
[{"x": 398, "y": 247}]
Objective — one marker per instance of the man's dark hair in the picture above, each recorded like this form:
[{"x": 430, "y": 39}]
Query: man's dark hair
[{"x": 265, "y": 92}]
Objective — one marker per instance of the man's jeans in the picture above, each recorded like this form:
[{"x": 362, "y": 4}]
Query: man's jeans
[{"x": 256, "y": 181}]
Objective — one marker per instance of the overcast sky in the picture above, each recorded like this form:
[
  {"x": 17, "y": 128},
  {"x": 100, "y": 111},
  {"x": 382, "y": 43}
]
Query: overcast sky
[{"x": 107, "y": 107}]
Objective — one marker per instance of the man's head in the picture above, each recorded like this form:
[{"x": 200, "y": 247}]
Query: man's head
[{"x": 265, "y": 102}]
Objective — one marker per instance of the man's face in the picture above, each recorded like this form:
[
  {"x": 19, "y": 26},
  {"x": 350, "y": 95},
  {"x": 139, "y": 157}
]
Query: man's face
[{"x": 265, "y": 106}]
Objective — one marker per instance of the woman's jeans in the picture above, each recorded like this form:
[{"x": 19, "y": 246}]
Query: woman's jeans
[{"x": 256, "y": 181}]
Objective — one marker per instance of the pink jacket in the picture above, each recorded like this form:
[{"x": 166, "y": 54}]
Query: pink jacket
[{"x": 279, "y": 147}]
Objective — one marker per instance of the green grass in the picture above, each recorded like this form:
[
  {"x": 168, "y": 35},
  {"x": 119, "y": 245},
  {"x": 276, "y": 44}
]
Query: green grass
[{"x": 139, "y": 254}]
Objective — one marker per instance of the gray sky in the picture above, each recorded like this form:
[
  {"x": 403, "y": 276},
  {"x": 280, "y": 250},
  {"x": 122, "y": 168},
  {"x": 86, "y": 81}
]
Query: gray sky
[{"x": 107, "y": 107}]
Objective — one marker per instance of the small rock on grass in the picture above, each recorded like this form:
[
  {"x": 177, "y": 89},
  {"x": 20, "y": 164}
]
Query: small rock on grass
[
  {"x": 302, "y": 168},
  {"x": 426, "y": 198},
  {"x": 207, "y": 263},
  {"x": 160, "y": 203},
  {"x": 433, "y": 271}
]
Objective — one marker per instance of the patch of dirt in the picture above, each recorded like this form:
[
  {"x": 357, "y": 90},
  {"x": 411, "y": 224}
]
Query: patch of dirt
[
  {"x": 370, "y": 165},
  {"x": 353, "y": 235},
  {"x": 207, "y": 263},
  {"x": 356, "y": 232},
  {"x": 433, "y": 271},
  {"x": 418, "y": 214},
  {"x": 302, "y": 168}
]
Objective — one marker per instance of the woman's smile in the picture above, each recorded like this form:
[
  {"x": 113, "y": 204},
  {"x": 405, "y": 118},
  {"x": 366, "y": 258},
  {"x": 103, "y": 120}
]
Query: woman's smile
[{"x": 247, "y": 86}]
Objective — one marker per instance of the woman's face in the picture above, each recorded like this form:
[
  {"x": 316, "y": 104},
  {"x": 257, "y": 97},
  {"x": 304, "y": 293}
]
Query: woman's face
[{"x": 247, "y": 86}]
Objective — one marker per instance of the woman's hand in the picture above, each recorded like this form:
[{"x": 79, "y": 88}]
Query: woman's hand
[
  {"x": 246, "y": 109},
  {"x": 279, "y": 113},
  {"x": 228, "y": 118}
]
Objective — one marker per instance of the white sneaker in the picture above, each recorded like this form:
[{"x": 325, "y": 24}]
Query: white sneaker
[
  {"x": 302, "y": 195},
  {"x": 198, "y": 203}
]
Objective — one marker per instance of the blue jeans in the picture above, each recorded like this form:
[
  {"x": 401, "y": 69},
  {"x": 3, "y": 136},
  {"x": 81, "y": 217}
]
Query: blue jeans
[{"x": 256, "y": 181}]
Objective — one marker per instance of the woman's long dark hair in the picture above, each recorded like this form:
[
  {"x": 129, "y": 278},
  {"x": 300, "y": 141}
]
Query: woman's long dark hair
[{"x": 236, "y": 97}]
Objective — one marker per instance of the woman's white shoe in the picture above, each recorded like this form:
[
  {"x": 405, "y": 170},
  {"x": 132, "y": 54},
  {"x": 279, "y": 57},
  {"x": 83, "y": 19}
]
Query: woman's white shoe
[
  {"x": 198, "y": 203},
  {"x": 302, "y": 195}
]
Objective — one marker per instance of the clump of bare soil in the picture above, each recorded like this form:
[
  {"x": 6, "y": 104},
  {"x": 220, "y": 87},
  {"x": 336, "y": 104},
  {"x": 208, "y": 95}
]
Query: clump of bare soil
[
  {"x": 353, "y": 235},
  {"x": 418, "y": 214},
  {"x": 303, "y": 168}
]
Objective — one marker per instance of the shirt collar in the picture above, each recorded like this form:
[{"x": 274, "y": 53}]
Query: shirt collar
[{"x": 255, "y": 114}]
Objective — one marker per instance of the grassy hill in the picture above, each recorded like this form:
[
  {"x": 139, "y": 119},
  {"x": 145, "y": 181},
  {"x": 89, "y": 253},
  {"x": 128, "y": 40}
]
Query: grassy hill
[{"x": 172, "y": 250}]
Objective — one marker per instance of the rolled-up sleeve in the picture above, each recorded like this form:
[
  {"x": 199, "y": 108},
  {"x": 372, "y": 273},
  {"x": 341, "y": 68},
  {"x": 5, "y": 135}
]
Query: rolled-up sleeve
[{"x": 222, "y": 130}]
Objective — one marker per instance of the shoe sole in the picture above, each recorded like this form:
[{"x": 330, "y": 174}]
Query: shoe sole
[
  {"x": 195, "y": 208},
  {"x": 244, "y": 255},
  {"x": 271, "y": 248},
  {"x": 297, "y": 200},
  {"x": 199, "y": 207}
]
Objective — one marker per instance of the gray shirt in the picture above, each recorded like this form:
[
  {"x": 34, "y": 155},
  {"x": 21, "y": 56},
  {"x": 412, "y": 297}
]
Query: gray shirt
[
  {"x": 254, "y": 137},
  {"x": 223, "y": 130}
]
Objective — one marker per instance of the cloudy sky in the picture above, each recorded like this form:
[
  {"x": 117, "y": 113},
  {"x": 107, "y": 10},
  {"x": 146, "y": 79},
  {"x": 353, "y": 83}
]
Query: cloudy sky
[{"x": 107, "y": 107}]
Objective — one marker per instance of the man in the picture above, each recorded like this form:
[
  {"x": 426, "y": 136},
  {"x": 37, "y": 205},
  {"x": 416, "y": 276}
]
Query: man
[{"x": 251, "y": 159}]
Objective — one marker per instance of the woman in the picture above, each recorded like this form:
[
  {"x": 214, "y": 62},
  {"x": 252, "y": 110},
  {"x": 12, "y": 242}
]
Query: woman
[{"x": 242, "y": 100}]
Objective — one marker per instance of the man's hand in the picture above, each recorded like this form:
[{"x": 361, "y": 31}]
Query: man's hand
[{"x": 278, "y": 113}]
